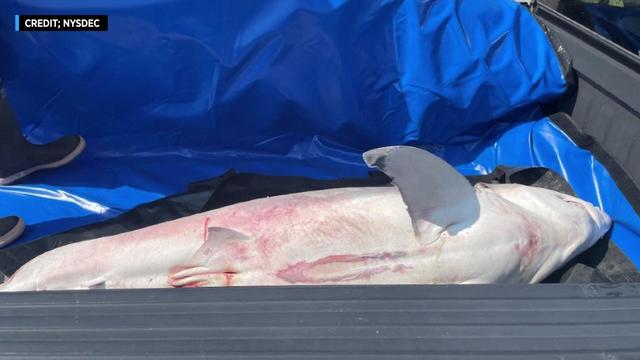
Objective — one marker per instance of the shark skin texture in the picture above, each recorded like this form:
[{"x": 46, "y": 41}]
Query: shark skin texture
[{"x": 430, "y": 227}]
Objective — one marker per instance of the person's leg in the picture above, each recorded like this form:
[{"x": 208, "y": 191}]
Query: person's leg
[
  {"x": 10, "y": 134},
  {"x": 19, "y": 158},
  {"x": 11, "y": 227}
]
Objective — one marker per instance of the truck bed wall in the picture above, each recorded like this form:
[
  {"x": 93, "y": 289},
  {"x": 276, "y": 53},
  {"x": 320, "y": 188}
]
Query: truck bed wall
[{"x": 604, "y": 101}]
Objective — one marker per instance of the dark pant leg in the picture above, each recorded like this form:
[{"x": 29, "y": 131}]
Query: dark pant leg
[
  {"x": 10, "y": 133},
  {"x": 13, "y": 145}
]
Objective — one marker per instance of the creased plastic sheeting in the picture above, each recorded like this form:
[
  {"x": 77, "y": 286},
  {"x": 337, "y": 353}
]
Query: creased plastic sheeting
[
  {"x": 178, "y": 91},
  {"x": 266, "y": 75}
]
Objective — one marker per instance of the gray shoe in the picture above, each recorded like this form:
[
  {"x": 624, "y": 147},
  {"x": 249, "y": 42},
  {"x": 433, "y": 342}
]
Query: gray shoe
[
  {"x": 19, "y": 157},
  {"x": 27, "y": 158},
  {"x": 11, "y": 227}
]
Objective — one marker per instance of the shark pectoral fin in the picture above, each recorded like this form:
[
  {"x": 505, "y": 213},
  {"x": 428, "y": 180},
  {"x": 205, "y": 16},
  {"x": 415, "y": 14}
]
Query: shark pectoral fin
[
  {"x": 184, "y": 276},
  {"x": 97, "y": 283},
  {"x": 436, "y": 195},
  {"x": 215, "y": 263},
  {"x": 197, "y": 276}
]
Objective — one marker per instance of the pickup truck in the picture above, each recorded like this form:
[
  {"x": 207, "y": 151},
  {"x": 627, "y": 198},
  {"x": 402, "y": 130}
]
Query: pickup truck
[{"x": 578, "y": 114}]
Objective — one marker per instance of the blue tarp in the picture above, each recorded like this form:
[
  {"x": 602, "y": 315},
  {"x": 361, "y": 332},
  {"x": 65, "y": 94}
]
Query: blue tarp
[{"x": 179, "y": 91}]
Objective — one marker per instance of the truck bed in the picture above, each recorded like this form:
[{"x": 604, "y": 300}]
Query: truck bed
[{"x": 546, "y": 321}]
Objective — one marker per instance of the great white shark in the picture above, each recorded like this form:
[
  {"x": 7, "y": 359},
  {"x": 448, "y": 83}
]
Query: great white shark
[{"x": 430, "y": 227}]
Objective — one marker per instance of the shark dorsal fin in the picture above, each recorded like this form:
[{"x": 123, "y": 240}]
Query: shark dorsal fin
[{"x": 438, "y": 198}]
